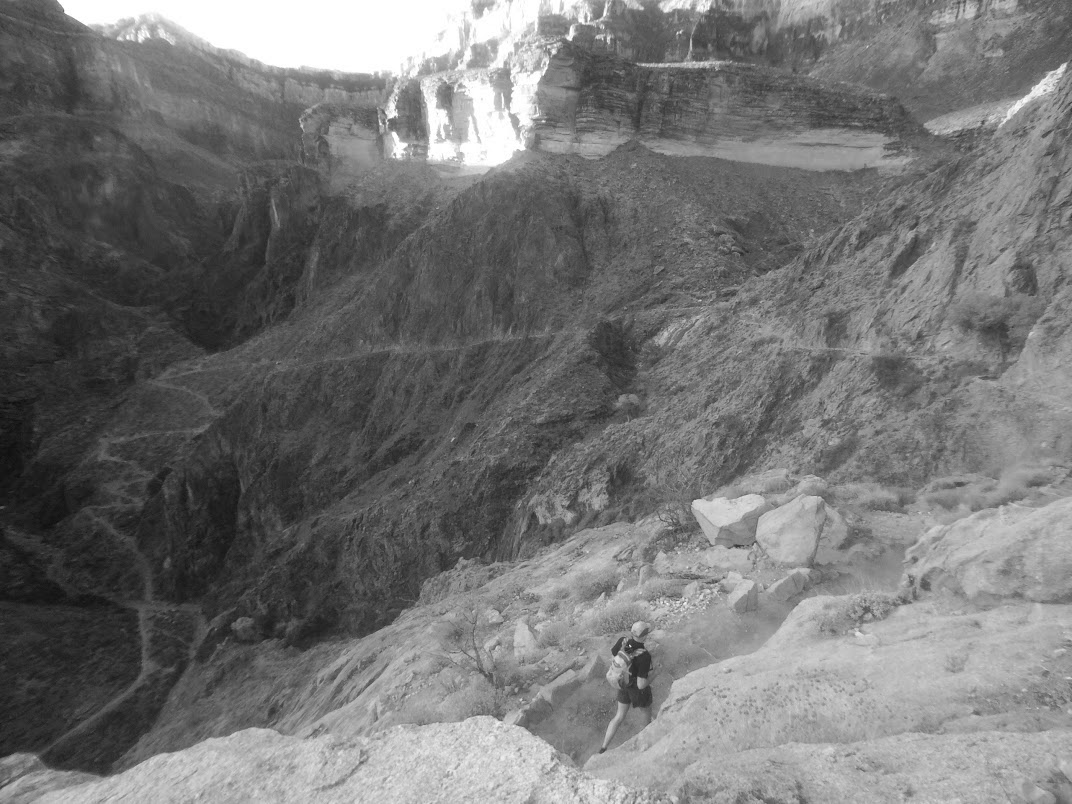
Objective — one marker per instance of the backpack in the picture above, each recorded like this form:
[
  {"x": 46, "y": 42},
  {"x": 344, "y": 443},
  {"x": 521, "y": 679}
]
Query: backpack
[{"x": 618, "y": 672}]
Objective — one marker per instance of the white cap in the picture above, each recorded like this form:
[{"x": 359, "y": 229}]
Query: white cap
[{"x": 640, "y": 629}]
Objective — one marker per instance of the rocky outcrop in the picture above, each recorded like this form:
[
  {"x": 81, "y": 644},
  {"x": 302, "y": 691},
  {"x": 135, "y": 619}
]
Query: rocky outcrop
[
  {"x": 505, "y": 763},
  {"x": 924, "y": 673},
  {"x": 935, "y": 56},
  {"x": 728, "y": 522},
  {"x": 790, "y": 533},
  {"x": 569, "y": 98},
  {"x": 1010, "y": 552}
]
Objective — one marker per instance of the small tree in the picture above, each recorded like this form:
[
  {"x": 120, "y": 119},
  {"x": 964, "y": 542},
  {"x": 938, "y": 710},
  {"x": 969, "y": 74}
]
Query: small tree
[{"x": 466, "y": 638}]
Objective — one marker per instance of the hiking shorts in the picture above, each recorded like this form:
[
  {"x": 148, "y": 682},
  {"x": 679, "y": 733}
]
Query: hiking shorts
[{"x": 637, "y": 698}]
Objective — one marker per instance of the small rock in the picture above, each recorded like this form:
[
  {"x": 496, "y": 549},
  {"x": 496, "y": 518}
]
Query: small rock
[
  {"x": 526, "y": 646},
  {"x": 744, "y": 597},
  {"x": 691, "y": 591},
  {"x": 866, "y": 640},
  {"x": 596, "y": 667},
  {"x": 493, "y": 617},
  {"x": 648, "y": 573}
]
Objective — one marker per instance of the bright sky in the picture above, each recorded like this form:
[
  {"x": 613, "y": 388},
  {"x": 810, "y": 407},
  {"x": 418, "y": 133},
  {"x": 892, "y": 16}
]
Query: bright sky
[{"x": 355, "y": 36}]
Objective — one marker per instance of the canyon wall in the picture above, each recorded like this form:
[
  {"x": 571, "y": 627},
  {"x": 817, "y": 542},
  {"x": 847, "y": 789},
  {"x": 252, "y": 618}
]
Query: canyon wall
[
  {"x": 213, "y": 99},
  {"x": 962, "y": 51},
  {"x": 573, "y": 97}
]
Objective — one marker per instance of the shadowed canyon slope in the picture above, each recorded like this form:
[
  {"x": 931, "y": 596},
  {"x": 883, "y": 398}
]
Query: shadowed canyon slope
[{"x": 241, "y": 381}]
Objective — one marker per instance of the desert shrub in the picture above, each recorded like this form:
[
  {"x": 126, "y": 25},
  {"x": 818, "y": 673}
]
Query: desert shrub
[
  {"x": 508, "y": 673},
  {"x": 956, "y": 662},
  {"x": 558, "y": 592},
  {"x": 1026, "y": 476},
  {"x": 555, "y": 634},
  {"x": 875, "y": 497},
  {"x": 661, "y": 587},
  {"x": 853, "y": 610},
  {"x": 589, "y": 584},
  {"x": 616, "y": 617},
  {"x": 1014, "y": 484},
  {"x": 896, "y": 371},
  {"x": 550, "y": 606},
  {"x": 478, "y": 699},
  {"x": 1004, "y": 321},
  {"x": 421, "y": 714}
]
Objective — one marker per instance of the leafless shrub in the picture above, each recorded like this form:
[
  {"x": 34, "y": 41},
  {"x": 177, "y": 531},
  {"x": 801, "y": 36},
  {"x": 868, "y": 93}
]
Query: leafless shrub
[{"x": 616, "y": 618}]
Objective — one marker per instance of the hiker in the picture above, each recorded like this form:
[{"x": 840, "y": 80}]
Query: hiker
[{"x": 636, "y": 693}]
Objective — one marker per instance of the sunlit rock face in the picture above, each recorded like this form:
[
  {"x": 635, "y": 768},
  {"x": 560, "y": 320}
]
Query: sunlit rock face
[
  {"x": 567, "y": 97},
  {"x": 692, "y": 77},
  {"x": 933, "y": 54}
]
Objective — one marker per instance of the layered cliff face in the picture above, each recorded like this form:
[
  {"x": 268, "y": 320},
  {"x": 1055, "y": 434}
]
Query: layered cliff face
[
  {"x": 935, "y": 55},
  {"x": 569, "y": 97}
]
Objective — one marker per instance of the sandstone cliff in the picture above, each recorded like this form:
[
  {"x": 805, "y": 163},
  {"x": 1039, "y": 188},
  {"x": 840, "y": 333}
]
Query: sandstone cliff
[{"x": 935, "y": 55}]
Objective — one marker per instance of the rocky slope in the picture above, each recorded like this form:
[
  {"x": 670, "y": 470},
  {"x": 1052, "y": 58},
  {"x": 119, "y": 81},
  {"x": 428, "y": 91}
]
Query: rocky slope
[
  {"x": 480, "y": 759},
  {"x": 258, "y": 396},
  {"x": 865, "y": 696}
]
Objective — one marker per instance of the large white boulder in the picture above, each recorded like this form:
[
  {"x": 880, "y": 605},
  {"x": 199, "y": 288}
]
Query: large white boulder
[
  {"x": 790, "y": 533},
  {"x": 1011, "y": 552},
  {"x": 728, "y": 522}
]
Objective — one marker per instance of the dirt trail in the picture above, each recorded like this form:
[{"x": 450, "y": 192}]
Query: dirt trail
[{"x": 158, "y": 620}]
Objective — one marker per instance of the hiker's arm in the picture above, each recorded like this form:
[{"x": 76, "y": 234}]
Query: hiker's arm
[{"x": 641, "y": 683}]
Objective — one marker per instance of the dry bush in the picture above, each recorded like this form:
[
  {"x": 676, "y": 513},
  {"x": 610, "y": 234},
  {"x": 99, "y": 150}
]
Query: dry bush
[
  {"x": 478, "y": 699},
  {"x": 956, "y": 662},
  {"x": 550, "y": 606},
  {"x": 558, "y": 592},
  {"x": 661, "y": 587},
  {"x": 615, "y": 618},
  {"x": 421, "y": 714},
  {"x": 1015, "y": 484},
  {"x": 508, "y": 673},
  {"x": 590, "y": 584},
  {"x": 875, "y": 497},
  {"x": 853, "y": 610},
  {"x": 555, "y": 634}
]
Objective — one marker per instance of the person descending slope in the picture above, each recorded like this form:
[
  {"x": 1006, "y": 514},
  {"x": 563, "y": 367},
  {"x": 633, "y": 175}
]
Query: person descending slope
[{"x": 629, "y": 670}]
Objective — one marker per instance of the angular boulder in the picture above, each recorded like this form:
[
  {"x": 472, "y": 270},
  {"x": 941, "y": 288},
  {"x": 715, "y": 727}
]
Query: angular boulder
[
  {"x": 790, "y": 534},
  {"x": 558, "y": 690},
  {"x": 1010, "y": 552},
  {"x": 744, "y": 597},
  {"x": 526, "y": 646},
  {"x": 596, "y": 667},
  {"x": 728, "y": 522},
  {"x": 792, "y": 584}
]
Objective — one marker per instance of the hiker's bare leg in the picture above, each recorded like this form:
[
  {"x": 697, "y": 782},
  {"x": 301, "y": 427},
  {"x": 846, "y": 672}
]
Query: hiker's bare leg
[
  {"x": 616, "y": 721},
  {"x": 645, "y": 713}
]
